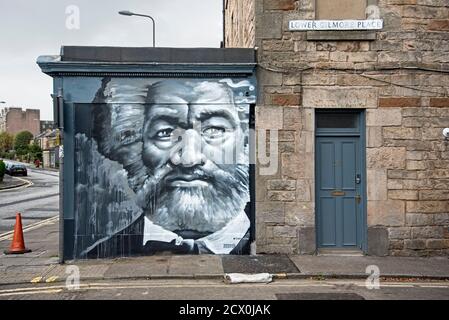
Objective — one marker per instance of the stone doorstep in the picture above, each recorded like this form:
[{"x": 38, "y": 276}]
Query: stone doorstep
[{"x": 340, "y": 253}]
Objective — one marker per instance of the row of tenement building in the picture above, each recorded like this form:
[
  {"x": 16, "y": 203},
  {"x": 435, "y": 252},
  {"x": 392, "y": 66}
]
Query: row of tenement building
[{"x": 14, "y": 120}]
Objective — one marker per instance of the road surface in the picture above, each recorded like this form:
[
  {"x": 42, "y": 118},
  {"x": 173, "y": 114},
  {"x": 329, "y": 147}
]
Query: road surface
[
  {"x": 36, "y": 202},
  {"x": 179, "y": 289}
]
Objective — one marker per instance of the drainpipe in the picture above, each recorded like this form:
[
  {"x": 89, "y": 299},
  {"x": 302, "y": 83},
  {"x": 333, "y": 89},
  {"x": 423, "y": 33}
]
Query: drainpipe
[
  {"x": 58, "y": 105},
  {"x": 224, "y": 24}
]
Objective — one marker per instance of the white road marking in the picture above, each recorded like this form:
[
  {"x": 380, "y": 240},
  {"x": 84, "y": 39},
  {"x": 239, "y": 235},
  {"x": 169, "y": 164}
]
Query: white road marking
[
  {"x": 396, "y": 285},
  {"x": 28, "y": 293}
]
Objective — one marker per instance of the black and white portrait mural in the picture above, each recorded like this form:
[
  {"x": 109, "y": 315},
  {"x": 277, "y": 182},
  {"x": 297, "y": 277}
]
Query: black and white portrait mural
[{"x": 162, "y": 165}]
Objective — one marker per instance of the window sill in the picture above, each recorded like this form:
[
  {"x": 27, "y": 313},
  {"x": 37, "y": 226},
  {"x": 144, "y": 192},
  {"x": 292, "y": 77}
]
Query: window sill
[{"x": 340, "y": 35}]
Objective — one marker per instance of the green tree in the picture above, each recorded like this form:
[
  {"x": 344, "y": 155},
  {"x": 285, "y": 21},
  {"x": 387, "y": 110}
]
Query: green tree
[
  {"x": 35, "y": 152},
  {"x": 6, "y": 142},
  {"x": 22, "y": 142},
  {"x": 2, "y": 170}
]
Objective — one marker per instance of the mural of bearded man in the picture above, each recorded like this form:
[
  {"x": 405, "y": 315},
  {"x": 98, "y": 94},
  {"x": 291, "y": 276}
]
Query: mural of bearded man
[{"x": 183, "y": 148}]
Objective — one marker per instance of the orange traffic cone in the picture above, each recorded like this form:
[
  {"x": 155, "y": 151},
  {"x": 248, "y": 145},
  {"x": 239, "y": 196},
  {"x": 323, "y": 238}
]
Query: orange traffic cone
[{"x": 18, "y": 244}]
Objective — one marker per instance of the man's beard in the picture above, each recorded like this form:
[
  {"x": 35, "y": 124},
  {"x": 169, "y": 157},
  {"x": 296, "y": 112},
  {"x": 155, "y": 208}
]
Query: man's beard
[{"x": 203, "y": 209}]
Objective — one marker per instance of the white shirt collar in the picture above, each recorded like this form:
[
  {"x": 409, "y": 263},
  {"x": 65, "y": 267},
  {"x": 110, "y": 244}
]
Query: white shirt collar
[{"x": 221, "y": 242}]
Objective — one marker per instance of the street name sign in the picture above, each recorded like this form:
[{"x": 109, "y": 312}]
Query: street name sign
[{"x": 304, "y": 25}]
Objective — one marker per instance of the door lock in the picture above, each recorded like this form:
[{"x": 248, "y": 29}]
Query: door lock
[{"x": 358, "y": 199}]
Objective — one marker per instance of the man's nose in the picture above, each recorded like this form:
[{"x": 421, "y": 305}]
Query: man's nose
[{"x": 190, "y": 153}]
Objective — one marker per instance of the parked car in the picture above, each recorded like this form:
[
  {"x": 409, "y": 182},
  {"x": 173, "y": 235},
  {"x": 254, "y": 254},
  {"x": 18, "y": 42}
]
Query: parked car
[
  {"x": 7, "y": 165},
  {"x": 16, "y": 169}
]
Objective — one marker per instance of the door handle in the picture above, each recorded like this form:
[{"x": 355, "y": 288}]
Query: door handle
[
  {"x": 358, "y": 199},
  {"x": 358, "y": 179}
]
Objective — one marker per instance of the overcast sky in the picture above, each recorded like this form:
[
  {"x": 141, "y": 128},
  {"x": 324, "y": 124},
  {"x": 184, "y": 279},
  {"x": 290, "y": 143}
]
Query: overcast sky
[{"x": 30, "y": 28}]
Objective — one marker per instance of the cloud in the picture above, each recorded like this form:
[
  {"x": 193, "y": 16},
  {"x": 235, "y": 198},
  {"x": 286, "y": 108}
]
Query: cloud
[{"x": 29, "y": 29}]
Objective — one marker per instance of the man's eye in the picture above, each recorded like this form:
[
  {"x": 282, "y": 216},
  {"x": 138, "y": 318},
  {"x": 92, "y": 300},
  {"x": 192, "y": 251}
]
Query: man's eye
[
  {"x": 214, "y": 132},
  {"x": 164, "y": 133}
]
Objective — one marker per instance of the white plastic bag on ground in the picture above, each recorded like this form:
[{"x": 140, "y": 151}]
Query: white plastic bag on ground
[{"x": 248, "y": 278}]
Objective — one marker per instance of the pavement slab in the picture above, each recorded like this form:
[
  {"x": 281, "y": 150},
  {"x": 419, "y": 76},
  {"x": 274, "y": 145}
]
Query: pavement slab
[
  {"x": 86, "y": 271},
  {"x": 196, "y": 265},
  {"x": 15, "y": 260},
  {"x": 388, "y": 266},
  {"x": 21, "y": 274},
  {"x": 138, "y": 267},
  {"x": 259, "y": 264}
]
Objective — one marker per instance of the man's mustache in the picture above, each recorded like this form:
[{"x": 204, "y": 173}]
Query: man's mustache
[{"x": 188, "y": 174}]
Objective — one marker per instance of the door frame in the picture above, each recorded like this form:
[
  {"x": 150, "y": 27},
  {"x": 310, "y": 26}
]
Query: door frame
[{"x": 345, "y": 132}]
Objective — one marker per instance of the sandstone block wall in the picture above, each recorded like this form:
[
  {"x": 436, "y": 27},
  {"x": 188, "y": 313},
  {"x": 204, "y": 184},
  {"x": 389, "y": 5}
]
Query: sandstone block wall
[
  {"x": 239, "y": 23},
  {"x": 400, "y": 76}
]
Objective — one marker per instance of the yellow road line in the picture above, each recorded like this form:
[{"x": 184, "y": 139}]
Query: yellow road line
[
  {"x": 36, "y": 280},
  {"x": 51, "y": 279},
  {"x": 8, "y": 235}
]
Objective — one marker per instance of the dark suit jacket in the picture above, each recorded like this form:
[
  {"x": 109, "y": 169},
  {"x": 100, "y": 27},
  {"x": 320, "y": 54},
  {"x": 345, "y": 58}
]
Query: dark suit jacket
[{"x": 129, "y": 242}]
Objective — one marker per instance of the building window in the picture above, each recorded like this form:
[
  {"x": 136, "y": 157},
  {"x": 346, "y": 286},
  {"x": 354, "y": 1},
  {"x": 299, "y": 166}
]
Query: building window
[
  {"x": 341, "y": 9},
  {"x": 329, "y": 120}
]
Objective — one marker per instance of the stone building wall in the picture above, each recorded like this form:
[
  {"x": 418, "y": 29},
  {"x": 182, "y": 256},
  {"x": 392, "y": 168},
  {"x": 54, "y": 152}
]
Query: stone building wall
[
  {"x": 240, "y": 23},
  {"x": 400, "y": 76}
]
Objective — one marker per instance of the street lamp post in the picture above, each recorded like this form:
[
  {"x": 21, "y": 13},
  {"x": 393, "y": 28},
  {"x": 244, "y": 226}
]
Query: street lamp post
[{"x": 129, "y": 13}]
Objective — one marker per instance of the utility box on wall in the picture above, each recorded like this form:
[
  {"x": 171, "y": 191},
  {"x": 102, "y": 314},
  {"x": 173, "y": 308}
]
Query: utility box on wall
[{"x": 156, "y": 151}]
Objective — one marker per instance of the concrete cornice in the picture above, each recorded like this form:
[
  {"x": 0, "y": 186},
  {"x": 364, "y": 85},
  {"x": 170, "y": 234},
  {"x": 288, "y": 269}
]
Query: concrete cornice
[{"x": 53, "y": 66}]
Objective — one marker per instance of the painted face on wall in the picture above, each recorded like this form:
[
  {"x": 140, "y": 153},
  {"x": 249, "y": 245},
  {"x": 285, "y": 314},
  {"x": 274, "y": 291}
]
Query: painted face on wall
[{"x": 194, "y": 151}]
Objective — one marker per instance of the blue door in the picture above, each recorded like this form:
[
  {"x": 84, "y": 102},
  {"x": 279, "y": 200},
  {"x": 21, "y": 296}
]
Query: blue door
[{"x": 339, "y": 183}]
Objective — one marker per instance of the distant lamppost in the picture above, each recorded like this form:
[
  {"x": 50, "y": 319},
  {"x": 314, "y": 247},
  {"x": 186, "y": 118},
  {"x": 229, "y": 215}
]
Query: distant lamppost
[{"x": 129, "y": 13}]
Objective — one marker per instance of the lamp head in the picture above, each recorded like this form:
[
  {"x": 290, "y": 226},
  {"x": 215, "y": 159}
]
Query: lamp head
[{"x": 126, "y": 13}]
